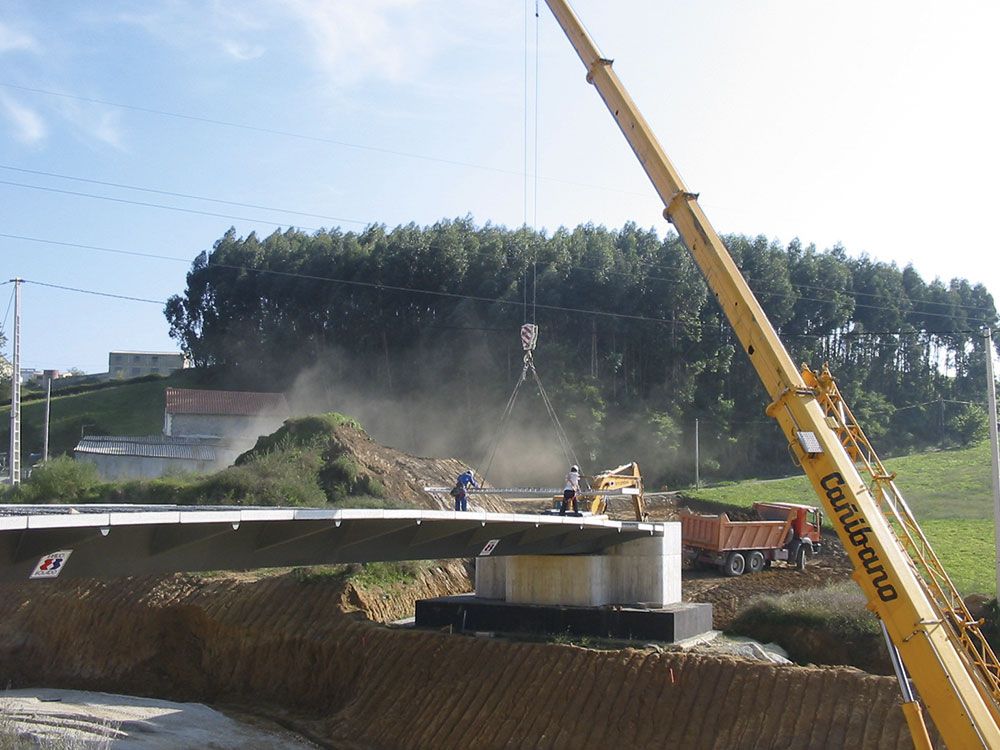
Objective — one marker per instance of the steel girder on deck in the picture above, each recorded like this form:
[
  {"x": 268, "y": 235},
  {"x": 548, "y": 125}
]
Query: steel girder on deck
[{"x": 122, "y": 540}]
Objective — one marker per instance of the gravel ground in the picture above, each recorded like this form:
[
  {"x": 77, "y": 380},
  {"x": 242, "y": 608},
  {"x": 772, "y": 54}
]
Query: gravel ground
[{"x": 86, "y": 720}]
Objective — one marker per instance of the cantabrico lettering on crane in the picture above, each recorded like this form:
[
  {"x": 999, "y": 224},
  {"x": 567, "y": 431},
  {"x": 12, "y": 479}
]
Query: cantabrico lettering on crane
[{"x": 857, "y": 529}]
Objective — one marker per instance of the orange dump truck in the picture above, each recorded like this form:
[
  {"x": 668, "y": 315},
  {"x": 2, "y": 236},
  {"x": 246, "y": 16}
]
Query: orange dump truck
[{"x": 785, "y": 531}]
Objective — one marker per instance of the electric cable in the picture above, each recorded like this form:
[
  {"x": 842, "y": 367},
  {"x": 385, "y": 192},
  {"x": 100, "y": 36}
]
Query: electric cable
[
  {"x": 189, "y": 196},
  {"x": 749, "y": 279},
  {"x": 91, "y": 291},
  {"x": 353, "y": 282},
  {"x": 364, "y": 284},
  {"x": 3, "y": 326},
  {"x": 162, "y": 206},
  {"x": 312, "y": 138}
]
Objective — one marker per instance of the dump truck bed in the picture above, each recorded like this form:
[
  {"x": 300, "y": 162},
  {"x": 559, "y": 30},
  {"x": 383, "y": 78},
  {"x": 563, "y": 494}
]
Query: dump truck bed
[{"x": 719, "y": 534}]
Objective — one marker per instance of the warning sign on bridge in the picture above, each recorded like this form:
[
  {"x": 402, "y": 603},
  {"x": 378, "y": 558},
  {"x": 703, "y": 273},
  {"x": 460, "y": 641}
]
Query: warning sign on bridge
[
  {"x": 51, "y": 565},
  {"x": 490, "y": 546}
]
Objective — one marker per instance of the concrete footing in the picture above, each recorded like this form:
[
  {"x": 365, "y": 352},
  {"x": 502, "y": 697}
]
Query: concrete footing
[
  {"x": 629, "y": 591},
  {"x": 468, "y": 613}
]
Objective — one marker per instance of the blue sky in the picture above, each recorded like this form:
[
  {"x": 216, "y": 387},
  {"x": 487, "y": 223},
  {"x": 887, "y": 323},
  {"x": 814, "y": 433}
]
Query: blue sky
[{"x": 869, "y": 124}]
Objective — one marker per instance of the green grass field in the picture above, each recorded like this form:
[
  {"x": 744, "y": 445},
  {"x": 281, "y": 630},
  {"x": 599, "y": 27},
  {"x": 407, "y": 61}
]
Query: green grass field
[
  {"x": 949, "y": 492},
  {"x": 128, "y": 409}
]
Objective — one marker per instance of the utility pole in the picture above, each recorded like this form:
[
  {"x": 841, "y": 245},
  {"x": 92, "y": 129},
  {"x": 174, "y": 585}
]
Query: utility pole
[
  {"x": 991, "y": 394},
  {"x": 697, "y": 477},
  {"x": 14, "y": 464},
  {"x": 48, "y": 403}
]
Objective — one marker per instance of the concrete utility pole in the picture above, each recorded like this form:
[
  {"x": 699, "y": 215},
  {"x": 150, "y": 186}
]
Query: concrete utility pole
[
  {"x": 48, "y": 403},
  {"x": 15, "y": 390},
  {"x": 697, "y": 476},
  {"x": 991, "y": 395}
]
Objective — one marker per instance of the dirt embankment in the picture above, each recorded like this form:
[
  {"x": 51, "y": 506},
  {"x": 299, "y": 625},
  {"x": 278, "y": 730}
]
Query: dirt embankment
[
  {"x": 290, "y": 648},
  {"x": 387, "y": 603},
  {"x": 404, "y": 476}
]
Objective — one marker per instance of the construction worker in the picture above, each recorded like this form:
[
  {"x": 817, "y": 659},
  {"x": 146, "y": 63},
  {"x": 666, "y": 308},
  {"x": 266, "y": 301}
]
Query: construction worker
[
  {"x": 460, "y": 492},
  {"x": 570, "y": 490}
]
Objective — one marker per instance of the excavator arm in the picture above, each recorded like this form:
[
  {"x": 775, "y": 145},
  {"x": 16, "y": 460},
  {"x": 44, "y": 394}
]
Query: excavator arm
[{"x": 952, "y": 667}]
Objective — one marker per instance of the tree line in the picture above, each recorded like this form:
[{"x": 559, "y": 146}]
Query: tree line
[{"x": 632, "y": 344}]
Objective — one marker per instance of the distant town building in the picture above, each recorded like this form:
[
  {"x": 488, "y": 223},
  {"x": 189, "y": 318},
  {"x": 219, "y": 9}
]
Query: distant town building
[
  {"x": 203, "y": 431},
  {"x": 129, "y": 364}
]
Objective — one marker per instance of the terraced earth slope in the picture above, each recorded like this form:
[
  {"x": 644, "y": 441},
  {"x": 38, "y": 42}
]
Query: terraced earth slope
[
  {"x": 404, "y": 476},
  {"x": 298, "y": 648}
]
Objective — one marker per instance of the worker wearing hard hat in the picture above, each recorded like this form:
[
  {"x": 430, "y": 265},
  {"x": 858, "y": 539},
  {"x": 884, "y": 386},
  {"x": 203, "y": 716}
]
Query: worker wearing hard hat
[{"x": 570, "y": 490}]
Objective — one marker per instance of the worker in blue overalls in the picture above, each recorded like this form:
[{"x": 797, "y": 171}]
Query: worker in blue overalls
[{"x": 465, "y": 480}]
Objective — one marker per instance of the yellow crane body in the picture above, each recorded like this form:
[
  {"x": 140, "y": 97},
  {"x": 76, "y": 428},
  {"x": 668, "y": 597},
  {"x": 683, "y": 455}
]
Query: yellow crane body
[{"x": 954, "y": 670}]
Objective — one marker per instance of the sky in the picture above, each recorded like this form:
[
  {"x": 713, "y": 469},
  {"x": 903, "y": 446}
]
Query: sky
[{"x": 130, "y": 130}]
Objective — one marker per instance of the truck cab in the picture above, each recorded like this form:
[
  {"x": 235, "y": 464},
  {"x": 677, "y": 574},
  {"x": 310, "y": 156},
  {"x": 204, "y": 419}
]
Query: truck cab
[{"x": 806, "y": 519}]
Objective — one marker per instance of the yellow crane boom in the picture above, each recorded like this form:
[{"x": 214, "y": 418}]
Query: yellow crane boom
[{"x": 954, "y": 670}]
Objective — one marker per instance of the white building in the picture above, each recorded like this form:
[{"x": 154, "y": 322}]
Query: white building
[{"x": 203, "y": 431}]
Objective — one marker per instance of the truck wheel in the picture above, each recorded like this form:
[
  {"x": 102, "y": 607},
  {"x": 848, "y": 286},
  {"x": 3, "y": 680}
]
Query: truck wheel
[
  {"x": 734, "y": 565},
  {"x": 800, "y": 558},
  {"x": 755, "y": 562}
]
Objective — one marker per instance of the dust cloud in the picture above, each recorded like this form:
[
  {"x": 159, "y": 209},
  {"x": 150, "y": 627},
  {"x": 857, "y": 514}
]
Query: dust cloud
[{"x": 442, "y": 419}]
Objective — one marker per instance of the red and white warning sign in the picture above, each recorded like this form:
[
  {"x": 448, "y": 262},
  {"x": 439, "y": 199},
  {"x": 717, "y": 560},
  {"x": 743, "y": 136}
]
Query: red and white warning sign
[
  {"x": 490, "y": 546},
  {"x": 51, "y": 565},
  {"x": 529, "y": 336}
]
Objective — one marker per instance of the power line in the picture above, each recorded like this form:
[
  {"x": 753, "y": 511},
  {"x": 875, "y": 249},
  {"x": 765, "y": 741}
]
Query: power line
[
  {"x": 91, "y": 291},
  {"x": 365, "y": 284},
  {"x": 376, "y": 285},
  {"x": 773, "y": 295},
  {"x": 180, "y": 195},
  {"x": 855, "y": 293},
  {"x": 152, "y": 205},
  {"x": 3, "y": 326},
  {"x": 311, "y": 138},
  {"x": 96, "y": 248},
  {"x": 795, "y": 285},
  {"x": 795, "y": 297}
]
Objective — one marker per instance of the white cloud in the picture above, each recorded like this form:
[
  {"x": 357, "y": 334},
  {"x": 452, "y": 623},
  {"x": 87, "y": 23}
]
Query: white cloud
[
  {"x": 12, "y": 40},
  {"x": 221, "y": 26},
  {"x": 241, "y": 51},
  {"x": 106, "y": 127},
  {"x": 29, "y": 127},
  {"x": 353, "y": 41},
  {"x": 95, "y": 122}
]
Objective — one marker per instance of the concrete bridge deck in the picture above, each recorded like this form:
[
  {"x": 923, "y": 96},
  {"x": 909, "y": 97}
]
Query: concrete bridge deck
[{"x": 125, "y": 540}]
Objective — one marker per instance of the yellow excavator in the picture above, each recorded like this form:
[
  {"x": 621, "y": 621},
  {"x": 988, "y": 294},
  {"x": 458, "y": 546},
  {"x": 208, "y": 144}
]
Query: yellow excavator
[
  {"x": 929, "y": 632},
  {"x": 624, "y": 480}
]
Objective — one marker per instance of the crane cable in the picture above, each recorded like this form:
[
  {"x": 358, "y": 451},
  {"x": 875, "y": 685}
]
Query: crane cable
[
  {"x": 534, "y": 214},
  {"x": 561, "y": 436},
  {"x": 529, "y": 362}
]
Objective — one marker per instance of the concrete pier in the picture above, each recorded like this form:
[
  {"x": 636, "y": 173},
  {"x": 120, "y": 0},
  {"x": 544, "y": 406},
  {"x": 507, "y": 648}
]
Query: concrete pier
[
  {"x": 645, "y": 571},
  {"x": 630, "y": 591}
]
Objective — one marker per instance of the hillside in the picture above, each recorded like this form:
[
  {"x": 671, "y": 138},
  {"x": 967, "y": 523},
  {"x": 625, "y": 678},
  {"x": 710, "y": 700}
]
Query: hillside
[
  {"x": 936, "y": 484},
  {"x": 135, "y": 407}
]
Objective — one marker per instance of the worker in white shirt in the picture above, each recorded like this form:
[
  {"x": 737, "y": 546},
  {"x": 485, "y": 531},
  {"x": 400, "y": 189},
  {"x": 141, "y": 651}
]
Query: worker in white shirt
[{"x": 569, "y": 492}]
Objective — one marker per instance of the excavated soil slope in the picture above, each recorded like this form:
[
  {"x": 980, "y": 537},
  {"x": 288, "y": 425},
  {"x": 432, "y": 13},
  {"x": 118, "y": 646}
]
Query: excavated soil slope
[
  {"x": 404, "y": 476},
  {"x": 284, "y": 647}
]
